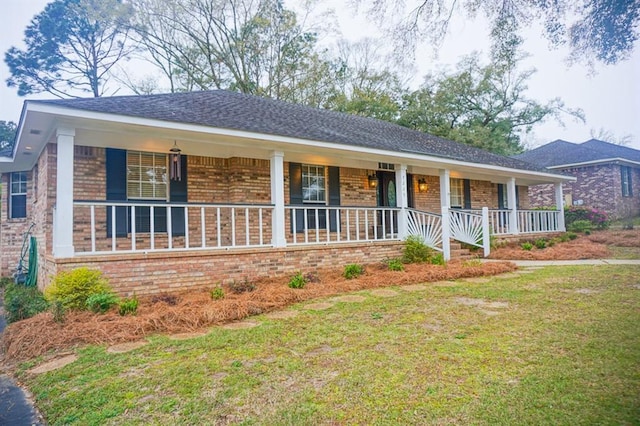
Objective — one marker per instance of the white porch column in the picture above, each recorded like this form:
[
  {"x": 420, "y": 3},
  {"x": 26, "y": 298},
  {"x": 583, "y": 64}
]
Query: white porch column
[
  {"x": 513, "y": 206},
  {"x": 278, "y": 238},
  {"x": 445, "y": 202},
  {"x": 63, "y": 232},
  {"x": 402, "y": 200},
  {"x": 560, "y": 206}
]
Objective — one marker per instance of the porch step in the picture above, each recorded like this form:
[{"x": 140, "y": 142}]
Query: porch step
[{"x": 459, "y": 253}]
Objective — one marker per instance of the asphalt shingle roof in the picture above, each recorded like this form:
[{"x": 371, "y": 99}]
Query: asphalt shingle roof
[
  {"x": 237, "y": 111},
  {"x": 559, "y": 153}
]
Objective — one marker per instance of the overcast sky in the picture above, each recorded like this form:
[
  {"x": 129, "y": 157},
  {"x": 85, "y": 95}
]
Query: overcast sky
[{"x": 610, "y": 98}]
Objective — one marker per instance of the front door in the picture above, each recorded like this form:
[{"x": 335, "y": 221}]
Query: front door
[{"x": 387, "y": 197}]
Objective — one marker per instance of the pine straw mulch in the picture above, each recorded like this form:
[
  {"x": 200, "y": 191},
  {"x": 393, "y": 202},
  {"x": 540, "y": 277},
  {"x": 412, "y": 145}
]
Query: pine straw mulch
[
  {"x": 196, "y": 310},
  {"x": 617, "y": 237}
]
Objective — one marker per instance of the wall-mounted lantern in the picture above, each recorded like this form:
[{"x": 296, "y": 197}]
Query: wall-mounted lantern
[
  {"x": 373, "y": 181},
  {"x": 422, "y": 185},
  {"x": 175, "y": 160}
]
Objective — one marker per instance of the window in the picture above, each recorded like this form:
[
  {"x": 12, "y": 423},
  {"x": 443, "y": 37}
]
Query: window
[
  {"x": 313, "y": 184},
  {"x": 625, "y": 174},
  {"x": 457, "y": 193},
  {"x": 18, "y": 195},
  {"x": 146, "y": 176}
]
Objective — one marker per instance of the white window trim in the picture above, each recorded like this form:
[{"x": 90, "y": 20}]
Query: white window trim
[
  {"x": 456, "y": 185},
  {"x": 12, "y": 194},
  {"x": 140, "y": 182},
  {"x": 307, "y": 167}
]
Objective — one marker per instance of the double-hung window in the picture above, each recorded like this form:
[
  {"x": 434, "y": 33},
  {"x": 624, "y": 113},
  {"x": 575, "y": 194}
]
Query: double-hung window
[
  {"x": 625, "y": 175},
  {"x": 18, "y": 195},
  {"x": 457, "y": 193},
  {"x": 313, "y": 184},
  {"x": 147, "y": 180}
]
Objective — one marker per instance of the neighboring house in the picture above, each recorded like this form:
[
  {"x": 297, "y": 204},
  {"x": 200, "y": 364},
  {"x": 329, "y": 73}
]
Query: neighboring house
[
  {"x": 168, "y": 191},
  {"x": 607, "y": 176}
]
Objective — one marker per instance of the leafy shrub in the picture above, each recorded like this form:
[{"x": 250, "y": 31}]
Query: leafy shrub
[
  {"x": 526, "y": 246},
  {"x": 101, "y": 302},
  {"x": 297, "y": 281},
  {"x": 395, "y": 265},
  {"x": 21, "y": 302},
  {"x": 541, "y": 243},
  {"x": 415, "y": 250},
  {"x": 217, "y": 293},
  {"x": 472, "y": 263},
  {"x": 597, "y": 218},
  {"x": 580, "y": 226},
  {"x": 5, "y": 281},
  {"x": 552, "y": 242},
  {"x": 58, "y": 311},
  {"x": 564, "y": 237},
  {"x": 128, "y": 306},
  {"x": 437, "y": 259},
  {"x": 239, "y": 287},
  {"x": 73, "y": 288},
  {"x": 353, "y": 270}
]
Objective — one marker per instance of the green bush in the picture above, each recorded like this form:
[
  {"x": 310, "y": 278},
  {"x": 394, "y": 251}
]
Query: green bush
[
  {"x": 597, "y": 218},
  {"x": 101, "y": 302},
  {"x": 21, "y": 302},
  {"x": 541, "y": 243},
  {"x": 395, "y": 265},
  {"x": 73, "y": 288},
  {"x": 217, "y": 293},
  {"x": 415, "y": 250},
  {"x": 353, "y": 270},
  {"x": 297, "y": 281},
  {"x": 5, "y": 281},
  {"x": 572, "y": 235},
  {"x": 437, "y": 259},
  {"x": 527, "y": 246},
  {"x": 128, "y": 306},
  {"x": 580, "y": 226}
]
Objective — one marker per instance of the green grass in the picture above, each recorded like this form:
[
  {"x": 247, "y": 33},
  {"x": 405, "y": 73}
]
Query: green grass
[{"x": 558, "y": 346}]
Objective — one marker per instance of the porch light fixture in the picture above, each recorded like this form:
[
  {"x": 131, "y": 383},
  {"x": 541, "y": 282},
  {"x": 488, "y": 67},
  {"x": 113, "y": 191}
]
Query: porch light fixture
[
  {"x": 422, "y": 185},
  {"x": 176, "y": 162},
  {"x": 373, "y": 181}
]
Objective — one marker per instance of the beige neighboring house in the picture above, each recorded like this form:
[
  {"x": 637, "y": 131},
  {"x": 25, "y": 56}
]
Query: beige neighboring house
[{"x": 184, "y": 190}]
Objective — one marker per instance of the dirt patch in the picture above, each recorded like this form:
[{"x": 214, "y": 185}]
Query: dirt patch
[
  {"x": 414, "y": 287},
  {"x": 186, "y": 336},
  {"x": 240, "y": 325},
  {"x": 322, "y": 306},
  {"x": 126, "y": 347},
  {"x": 477, "y": 280},
  {"x": 448, "y": 283},
  {"x": 384, "y": 293},
  {"x": 349, "y": 298},
  {"x": 587, "y": 291},
  {"x": 508, "y": 275},
  {"x": 195, "y": 311},
  {"x": 53, "y": 364},
  {"x": 481, "y": 303},
  {"x": 282, "y": 314}
]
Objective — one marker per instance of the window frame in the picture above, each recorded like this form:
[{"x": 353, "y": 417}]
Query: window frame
[
  {"x": 457, "y": 184},
  {"x": 22, "y": 195},
  {"x": 307, "y": 175},
  {"x": 164, "y": 181},
  {"x": 625, "y": 178}
]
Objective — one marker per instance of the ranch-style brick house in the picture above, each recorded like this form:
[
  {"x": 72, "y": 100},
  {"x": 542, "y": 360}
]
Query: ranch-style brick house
[
  {"x": 184, "y": 190},
  {"x": 607, "y": 176}
]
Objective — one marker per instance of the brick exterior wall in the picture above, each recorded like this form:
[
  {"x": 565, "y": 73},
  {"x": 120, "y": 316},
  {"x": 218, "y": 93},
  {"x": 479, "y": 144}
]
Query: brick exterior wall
[{"x": 597, "y": 186}]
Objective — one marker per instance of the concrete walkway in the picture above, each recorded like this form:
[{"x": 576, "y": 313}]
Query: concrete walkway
[{"x": 525, "y": 263}]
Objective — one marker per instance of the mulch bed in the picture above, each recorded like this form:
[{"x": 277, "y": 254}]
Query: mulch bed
[{"x": 192, "y": 311}]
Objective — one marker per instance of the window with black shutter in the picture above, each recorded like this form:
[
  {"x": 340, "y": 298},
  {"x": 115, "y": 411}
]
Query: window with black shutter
[{"x": 313, "y": 186}]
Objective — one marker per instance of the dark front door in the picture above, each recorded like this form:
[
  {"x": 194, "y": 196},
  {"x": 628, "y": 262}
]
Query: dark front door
[{"x": 387, "y": 197}]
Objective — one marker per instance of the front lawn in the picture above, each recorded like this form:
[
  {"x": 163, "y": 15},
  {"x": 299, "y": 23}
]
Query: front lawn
[{"x": 555, "y": 346}]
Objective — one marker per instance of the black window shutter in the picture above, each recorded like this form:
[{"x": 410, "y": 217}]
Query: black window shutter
[
  {"x": 116, "y": 165},
  {"x": 467, "y": 193},
  {"x": 334, "y": 196},
  {"x": 517, "y": 198},
  {"x": 410, "y": 192},
  {"x": 295, "y": 194},
  {"x": 501, "y": 205},
  {"x": 178, "y": 194}
]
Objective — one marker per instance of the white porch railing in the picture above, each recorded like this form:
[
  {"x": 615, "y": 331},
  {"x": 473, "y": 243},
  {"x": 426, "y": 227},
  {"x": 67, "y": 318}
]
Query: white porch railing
[
  {"x": 428, "y": 226},
  {"x": 107, "y": 227},
  {"x": 326, "y": 224},
  {"x": 535, "y": 221}
]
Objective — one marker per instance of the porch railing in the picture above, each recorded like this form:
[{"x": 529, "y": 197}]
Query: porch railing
[
  {"x": 428, "y": 226},
  {"x": 106, "y": 226},
  {"x": 535, "y": 221},
  {"x": 326, "y": 224}
]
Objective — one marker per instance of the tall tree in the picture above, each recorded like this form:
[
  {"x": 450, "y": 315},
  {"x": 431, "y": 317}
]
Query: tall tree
[
  {"x": 595, "y": 30},
  {"x": 8, "y": 131},
  {"x": 72, "y": 45},
  {"x": 481, "y": 105}
]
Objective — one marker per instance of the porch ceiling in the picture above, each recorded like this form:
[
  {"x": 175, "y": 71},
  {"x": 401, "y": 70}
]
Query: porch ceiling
[{"x": 39, "y": 123}]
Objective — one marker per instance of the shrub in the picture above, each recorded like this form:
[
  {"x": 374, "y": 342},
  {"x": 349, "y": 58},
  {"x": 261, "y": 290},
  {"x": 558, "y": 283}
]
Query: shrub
[
  {"x": 415, "y": 250},
  {"x": 572, "y": 235},
  {"x": 353, "y": 271},
  {"x": 5, "y": 281},
  {"x": 597, "y": 218},
  {"x": 472, "y": 263},
  {"x": 101, "y": 302},
  {"x": 73, "y": 288},
  {"x": 128, "y": 306},
  {"x": 312, "y": 277},
  {"x": 217, "y": 293},
  {"x": 580, "y": 226},
  {"x": 437, "y": 259},
  {"x": 297, "y": 281},
  {"x": 239, "y": 287},
  {"x": 395, "y": 265},
  {"x": 58, "y": 311},
  {"x": 526, "y": 246},
  {"x": 541, "y": 243},
  {"x": 21, "y": 302}
]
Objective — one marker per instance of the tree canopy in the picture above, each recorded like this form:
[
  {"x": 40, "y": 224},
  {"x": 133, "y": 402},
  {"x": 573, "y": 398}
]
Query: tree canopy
[
  {"x": 71, "y": 45},
  {"x": 8, "y": 131}
]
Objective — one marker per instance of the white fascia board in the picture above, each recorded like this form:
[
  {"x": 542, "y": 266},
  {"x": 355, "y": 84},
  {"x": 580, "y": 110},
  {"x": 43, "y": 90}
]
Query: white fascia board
[
  {"x": 595, "y": 162},
  {"x": 197, "y": 128}
]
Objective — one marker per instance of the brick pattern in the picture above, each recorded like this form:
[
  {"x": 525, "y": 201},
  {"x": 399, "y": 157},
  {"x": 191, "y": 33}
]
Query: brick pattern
[{"x": 596, "y": 186}]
